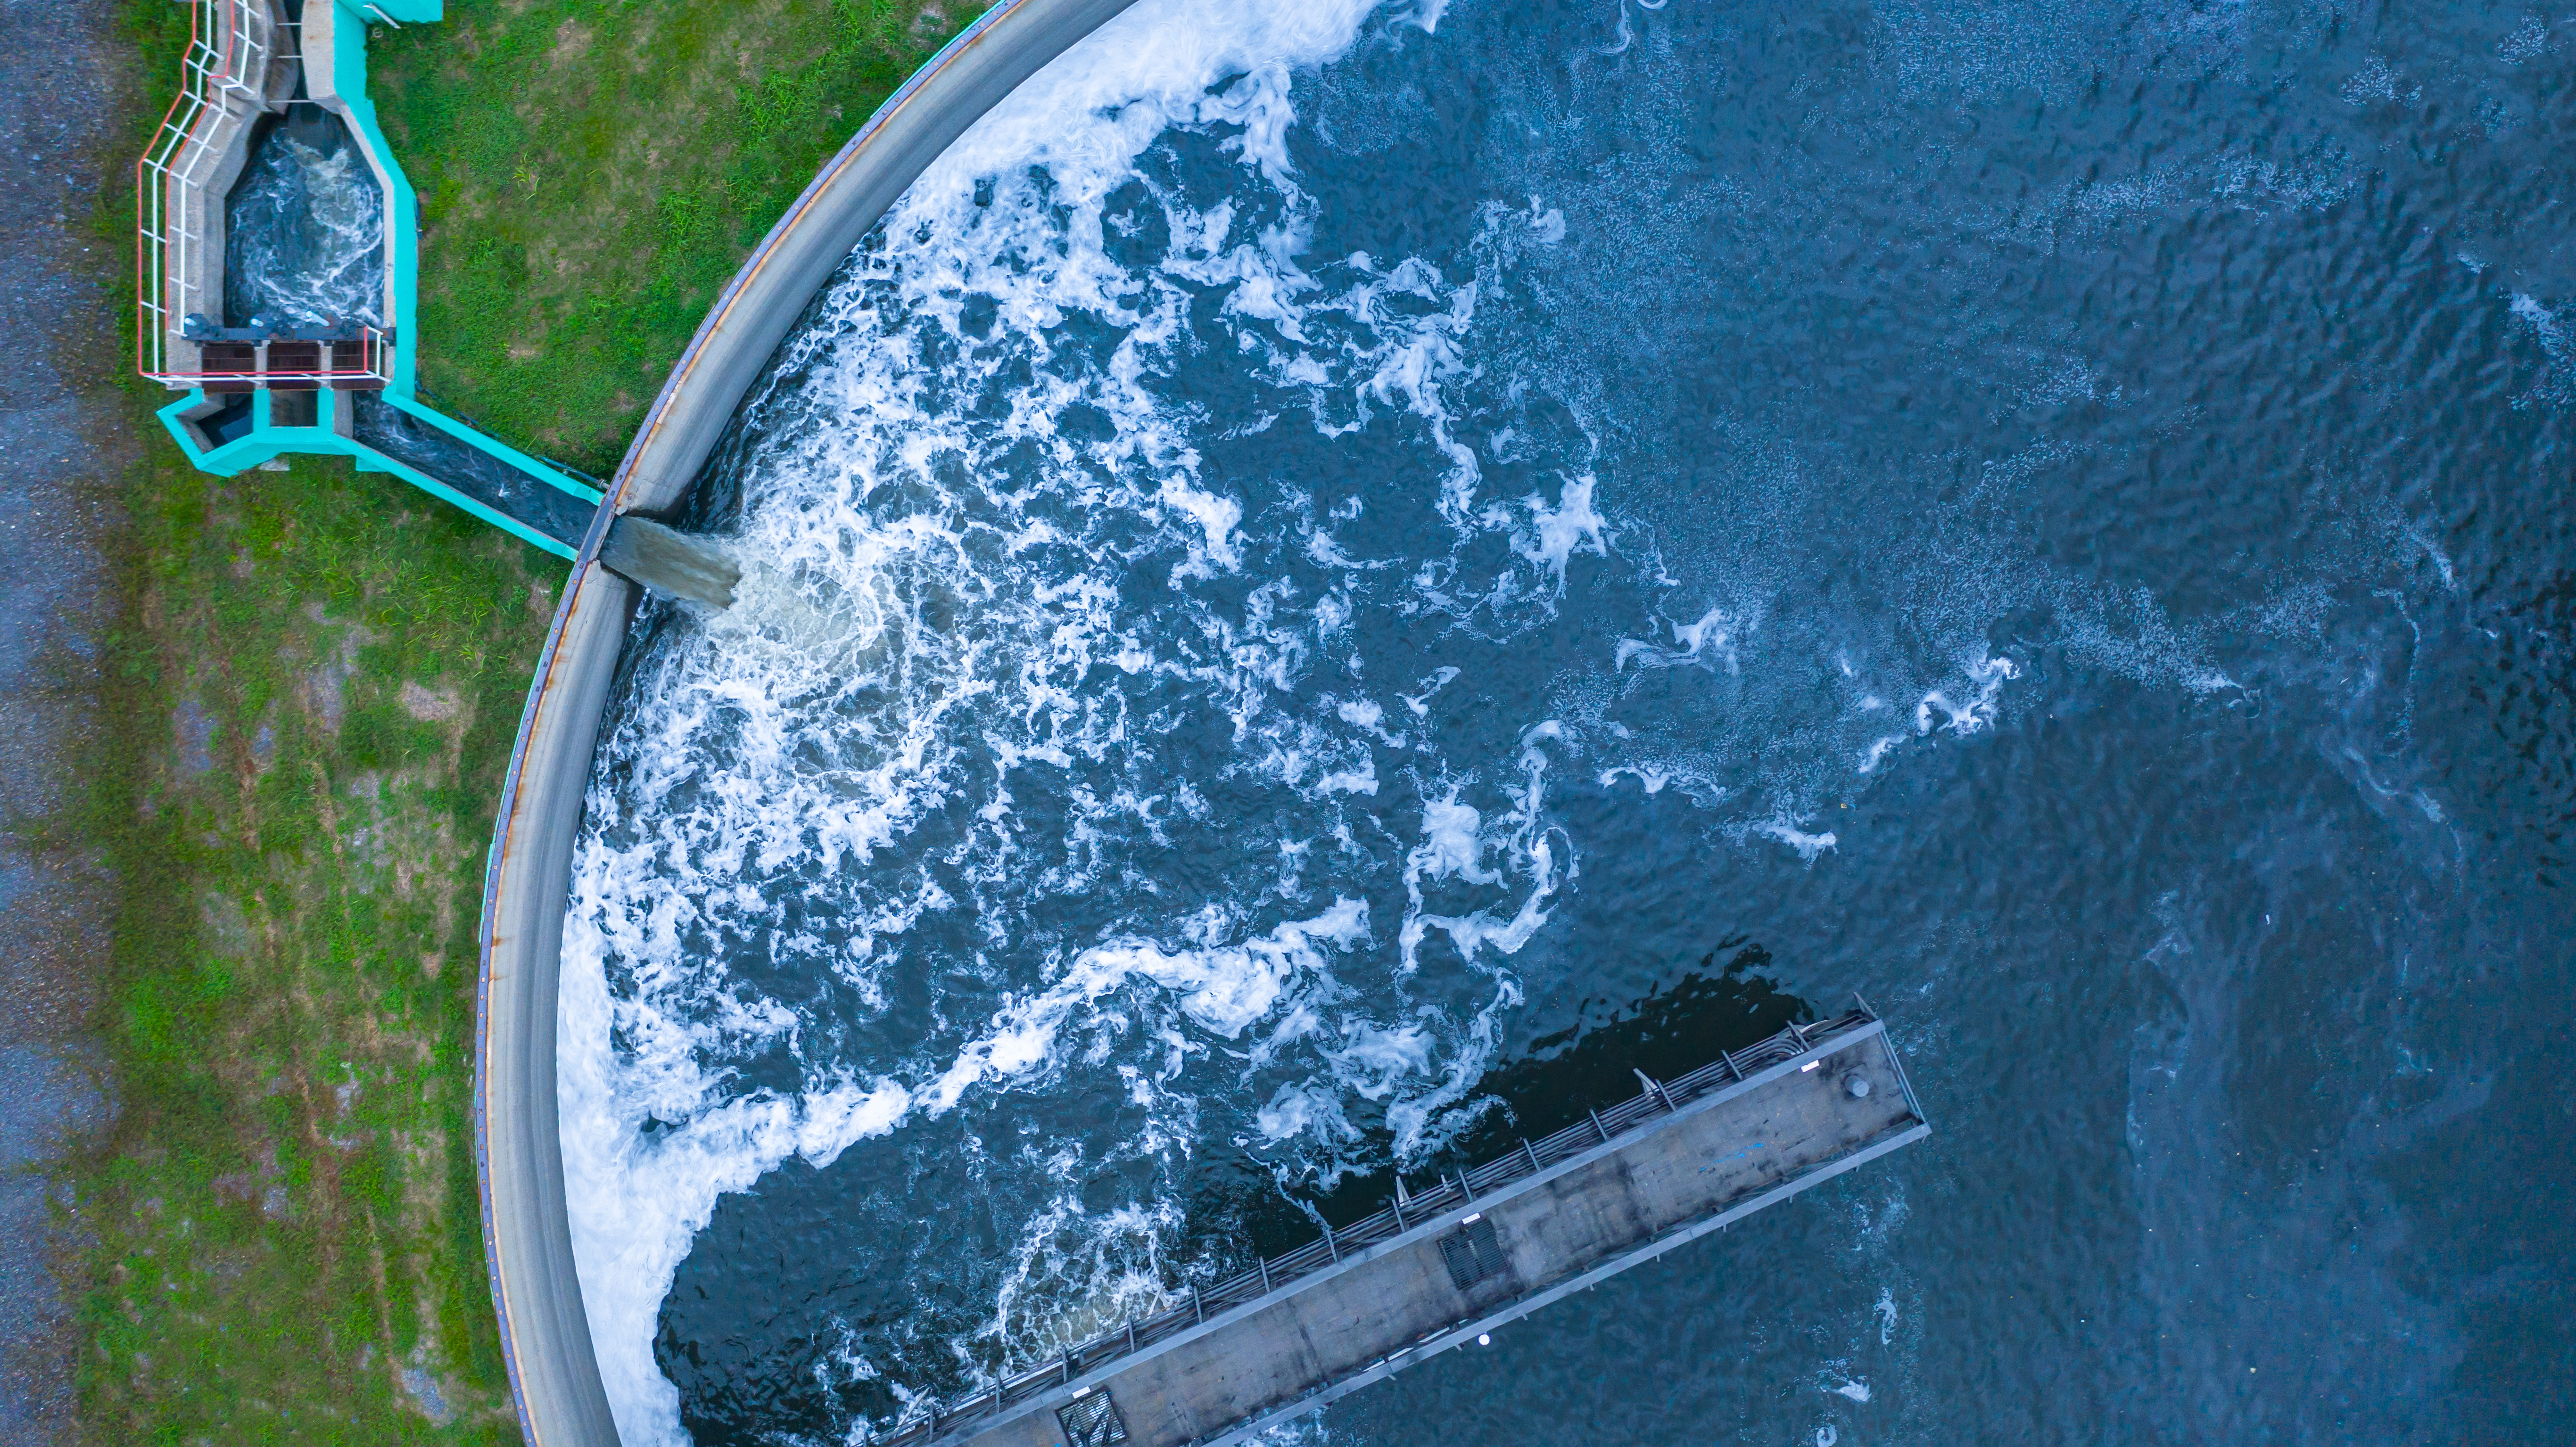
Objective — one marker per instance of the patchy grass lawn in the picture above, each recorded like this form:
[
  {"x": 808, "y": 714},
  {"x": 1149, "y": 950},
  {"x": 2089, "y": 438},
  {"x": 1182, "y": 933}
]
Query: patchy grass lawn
[
  {"x": 314, "y": 680},
  {"x": 321, "y": 675},
  {"x": 591, "y": 174},
  {"x": 305, "y": 705}
]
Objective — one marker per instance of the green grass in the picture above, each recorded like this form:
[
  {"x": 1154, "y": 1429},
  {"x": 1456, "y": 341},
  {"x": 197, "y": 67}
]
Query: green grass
[
  {"x": 592, "y": 172},
  {"x": 313, "y": 680},
  {"x": 318, "y": 676}
]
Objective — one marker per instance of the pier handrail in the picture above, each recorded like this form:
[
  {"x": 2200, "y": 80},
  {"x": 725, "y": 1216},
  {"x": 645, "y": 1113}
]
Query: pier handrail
[{"x": 1277, "y": 1273}]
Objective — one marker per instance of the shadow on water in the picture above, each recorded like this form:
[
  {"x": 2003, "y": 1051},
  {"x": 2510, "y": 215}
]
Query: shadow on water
[
  {"x": 1729, "y": 1002},
  {"x": 737, "y": 1355}
]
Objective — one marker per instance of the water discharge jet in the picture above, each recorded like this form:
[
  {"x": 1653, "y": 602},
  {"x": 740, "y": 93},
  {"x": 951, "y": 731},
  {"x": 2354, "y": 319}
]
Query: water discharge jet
[{"x": 669, "y": 561}]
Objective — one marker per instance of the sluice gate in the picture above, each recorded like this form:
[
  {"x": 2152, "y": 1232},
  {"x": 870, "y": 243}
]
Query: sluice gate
[{"x": 1477, "y": 1250}]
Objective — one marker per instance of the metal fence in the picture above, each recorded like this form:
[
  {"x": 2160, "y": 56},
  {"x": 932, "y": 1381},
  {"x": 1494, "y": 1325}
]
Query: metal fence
[{"x": 1410, "y": 1209}]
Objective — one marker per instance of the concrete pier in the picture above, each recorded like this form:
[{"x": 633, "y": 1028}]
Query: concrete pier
[{"x": 1475, "y": 1251}]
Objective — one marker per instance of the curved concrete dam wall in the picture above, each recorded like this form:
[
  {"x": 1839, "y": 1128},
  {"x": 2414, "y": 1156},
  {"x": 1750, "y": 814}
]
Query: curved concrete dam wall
[{"x": 545, "y": 1333}]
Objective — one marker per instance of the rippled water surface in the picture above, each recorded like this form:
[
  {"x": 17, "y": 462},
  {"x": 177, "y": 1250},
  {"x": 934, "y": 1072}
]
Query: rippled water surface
[{"x": 1335, "y": 577}]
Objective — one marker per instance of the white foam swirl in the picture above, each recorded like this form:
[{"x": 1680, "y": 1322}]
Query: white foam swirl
[{"x": 939, "y": 599}]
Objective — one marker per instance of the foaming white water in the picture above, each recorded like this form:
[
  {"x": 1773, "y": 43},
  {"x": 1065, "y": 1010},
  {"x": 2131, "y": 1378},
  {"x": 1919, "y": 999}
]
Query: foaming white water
[
  {"x": 1810, "y": 844},
  {"x": 1078, "y": 757},
  {"x": 1089, "y": 115},
  {"x": 1223, "y": 989},
  {"x": 916, "y": 638},
  {"x": 1708, "y": 643},
  {"x": 306, "y": 236},
  {"x": 1972, "y": 712},
  {"x": 635, "y": 1201}
]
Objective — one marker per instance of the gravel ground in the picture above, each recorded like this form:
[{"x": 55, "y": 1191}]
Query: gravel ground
[{"x": 65, "y": 433}]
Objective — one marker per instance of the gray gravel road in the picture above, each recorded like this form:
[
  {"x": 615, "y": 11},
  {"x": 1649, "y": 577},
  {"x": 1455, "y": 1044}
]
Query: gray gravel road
[{"x": 63, "y": 438}]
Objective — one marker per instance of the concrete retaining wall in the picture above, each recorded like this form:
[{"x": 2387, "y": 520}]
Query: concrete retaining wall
[{"x": 545, "y": 1333}]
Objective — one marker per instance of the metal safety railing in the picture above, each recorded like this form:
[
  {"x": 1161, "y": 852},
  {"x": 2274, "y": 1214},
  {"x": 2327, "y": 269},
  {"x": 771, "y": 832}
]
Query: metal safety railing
[
  {"x": 223, "y": 81},
  {"x": 1407, "y": 1211},
  {"x": 355, "y": 359}
]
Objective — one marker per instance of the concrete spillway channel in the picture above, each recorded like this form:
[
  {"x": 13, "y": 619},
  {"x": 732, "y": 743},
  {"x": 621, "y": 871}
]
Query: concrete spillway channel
[
  {"x": 276, "y": 275},
  {"x": 637, "y": 548},
  {"x": 1471, "y": 1254}
]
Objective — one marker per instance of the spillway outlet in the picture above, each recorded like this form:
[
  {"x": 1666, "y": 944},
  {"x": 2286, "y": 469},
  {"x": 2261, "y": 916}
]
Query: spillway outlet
[{"x": 670, "y": 561}]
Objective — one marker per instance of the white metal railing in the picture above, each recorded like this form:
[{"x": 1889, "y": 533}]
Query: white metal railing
[
  {"x": 223, "y": 87},
  {"x": 226, "y": 63},
  {"x": 222, "y": 84},
  {"x": 360, "y": 361}
]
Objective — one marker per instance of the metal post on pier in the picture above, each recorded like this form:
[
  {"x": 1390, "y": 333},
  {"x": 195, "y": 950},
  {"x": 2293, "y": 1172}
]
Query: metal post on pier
[
  {"x": 1731, "y": 1067},
  {"x": 1527, "y": 1150},
  {"x": 1598, "y": 1128},
  {"x": 1198, "y": 1308},
  {"x": 1330, "y": 1248},
  {"x": 1264, "y": 1263}
]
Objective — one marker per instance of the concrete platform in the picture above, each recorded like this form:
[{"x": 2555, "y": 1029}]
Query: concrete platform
[{"x": 1643, "y": 1177}]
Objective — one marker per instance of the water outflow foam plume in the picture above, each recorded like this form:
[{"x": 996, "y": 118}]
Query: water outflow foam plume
[{"x": 662, "y": 1123}]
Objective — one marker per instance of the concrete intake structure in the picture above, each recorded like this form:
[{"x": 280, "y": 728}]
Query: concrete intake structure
[
  {"x": 1477, "y": 1251},
  {"x": 545, "y": 1334},
  {"x": 260, "y": 387}
]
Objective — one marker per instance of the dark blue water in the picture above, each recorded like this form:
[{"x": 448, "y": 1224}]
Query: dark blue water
[{"x": 1334, "y": 578}]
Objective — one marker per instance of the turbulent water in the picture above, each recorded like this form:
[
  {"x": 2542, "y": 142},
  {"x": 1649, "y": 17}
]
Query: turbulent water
[
  {"x": 304, "y": 230},
  {"x": 1336, "y": 575}
]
